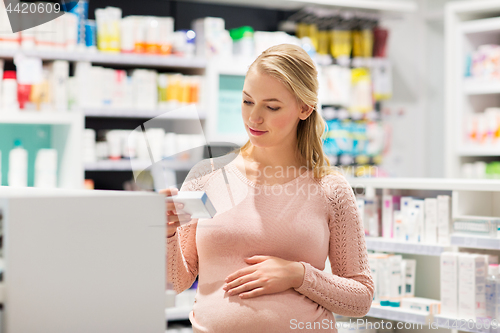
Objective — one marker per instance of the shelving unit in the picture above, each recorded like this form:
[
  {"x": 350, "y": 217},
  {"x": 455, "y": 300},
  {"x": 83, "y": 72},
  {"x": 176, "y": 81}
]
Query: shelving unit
[
  {"x": 398, "y": 314},
  {"x": 111, "y": 58},
  {"x": 125, "y": 113},
  {"x": 468, "y": 24},
  {"x": 470, "y": 198},
  {"x": 380, "y": 5},
  {"x": 127, "y": 165},
  {"x": 389, "y": 245},
  {"x": 65, "y": 136}
]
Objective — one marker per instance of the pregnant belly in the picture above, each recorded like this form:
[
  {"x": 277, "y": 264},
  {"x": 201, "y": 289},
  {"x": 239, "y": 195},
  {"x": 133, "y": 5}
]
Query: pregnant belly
[{"x": 281, "y": 312}]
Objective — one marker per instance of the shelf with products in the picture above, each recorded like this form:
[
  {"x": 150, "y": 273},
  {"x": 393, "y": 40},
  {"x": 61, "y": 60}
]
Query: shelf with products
[
  {"x": 131, "y": 113},
  {"x": 128, "y": 165},
  {"x": 479, "y": 150},
  {"x": 481, "y": 87},
  {"x": 472, "y": 114},
  {"x": 37, "y": 117},
  {"x": 118, "y": 59},
  {"x": 390, "y": 245},
  {"x": 471, "y": 221},
  {"x": 382, "y": 5},
  {"x": 47, "y": 140},
  {"x": 399, "y": 314}
]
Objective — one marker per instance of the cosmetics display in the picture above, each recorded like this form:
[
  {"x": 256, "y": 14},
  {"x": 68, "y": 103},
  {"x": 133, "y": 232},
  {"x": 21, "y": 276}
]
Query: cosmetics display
[{"x": 116, "y": 145}]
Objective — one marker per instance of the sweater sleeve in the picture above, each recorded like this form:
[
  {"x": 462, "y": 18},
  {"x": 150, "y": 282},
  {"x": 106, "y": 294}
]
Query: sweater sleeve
[
  {"x": 182, "y": 254},
  {"x": 349, "y": 290}
]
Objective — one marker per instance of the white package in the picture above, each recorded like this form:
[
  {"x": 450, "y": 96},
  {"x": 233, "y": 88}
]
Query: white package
[
  {"x": 449, "y": 284},
  {"x": 411, "y": 268},
  {"x": 196, "y": 203},
  {"x": 444, "y": 219},
  {"x": 430, "y": 223},
  {"x": 471, "y": 286},
  {"x": 422, "y": 304},
  {"x": 418, "y": 205}
]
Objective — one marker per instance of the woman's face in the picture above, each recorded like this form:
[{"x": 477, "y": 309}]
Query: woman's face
[{"x": 270, "y": 111}]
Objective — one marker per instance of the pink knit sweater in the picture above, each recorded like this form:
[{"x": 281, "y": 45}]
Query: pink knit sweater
[{"x": 304, "y": 220}]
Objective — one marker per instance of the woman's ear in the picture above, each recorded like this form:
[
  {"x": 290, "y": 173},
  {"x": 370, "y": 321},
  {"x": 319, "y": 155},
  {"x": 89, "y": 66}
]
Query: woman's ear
[{"x": 305, "y": 111}]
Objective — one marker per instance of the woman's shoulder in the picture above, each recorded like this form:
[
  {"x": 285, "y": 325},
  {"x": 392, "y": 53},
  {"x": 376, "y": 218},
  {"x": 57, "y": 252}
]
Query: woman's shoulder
[{"x": 333, "y": 184}]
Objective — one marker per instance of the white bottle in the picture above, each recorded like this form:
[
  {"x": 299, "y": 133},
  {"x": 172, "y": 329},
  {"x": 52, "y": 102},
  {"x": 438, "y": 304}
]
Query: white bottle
[
  {"x": 46, "y": 168},
  {"x": 492, "y": 282},
  {"x": 18, "y": 166},
  {"x": 9, "y": 92}
]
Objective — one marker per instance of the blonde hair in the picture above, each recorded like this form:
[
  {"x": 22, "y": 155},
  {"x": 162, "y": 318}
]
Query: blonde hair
[{"x": 291, "y": 65}]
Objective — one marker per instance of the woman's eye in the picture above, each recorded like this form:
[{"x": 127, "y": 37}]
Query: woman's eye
[
  {"x": 273, "y": 109},
  {"x": 247, "y": 102}
]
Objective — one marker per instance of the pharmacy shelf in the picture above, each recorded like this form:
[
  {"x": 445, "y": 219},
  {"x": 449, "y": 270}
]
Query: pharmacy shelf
[
  {"x": 389, "y": 245},
  {"x": 469, "y": 150},
  {"x": 178, "y": 313},
  {"x": 398, "y": 314},
  {"x": 126, "y": 165},
  {"x": 459, "y": 324},
  {"x": 380, "y": 5},
  {"x": 476, "y": 242},
  {"x": 130, "y": 113},
  {"x": 443, "y": 184},
  {"x": 482, "y": 25},
  {"x": 481, "y": 87},
  {"x": 111, "y": 58},
  {"x": 34, "y": 117}
]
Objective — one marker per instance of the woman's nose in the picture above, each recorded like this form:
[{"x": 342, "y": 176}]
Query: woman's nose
[{"x": 255, "y": 116}]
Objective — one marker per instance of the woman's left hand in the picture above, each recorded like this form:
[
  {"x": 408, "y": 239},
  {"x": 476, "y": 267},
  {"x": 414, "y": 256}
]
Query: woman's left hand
[{"x": 266, "y": 275}]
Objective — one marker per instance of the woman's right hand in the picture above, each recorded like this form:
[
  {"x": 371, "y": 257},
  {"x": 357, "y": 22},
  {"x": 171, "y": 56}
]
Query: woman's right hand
[{"x": 173, "y": 217}]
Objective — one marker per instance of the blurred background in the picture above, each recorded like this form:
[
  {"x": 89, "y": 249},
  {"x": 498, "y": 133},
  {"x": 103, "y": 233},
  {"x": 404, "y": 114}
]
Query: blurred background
[{"x": 74, "y": 88}]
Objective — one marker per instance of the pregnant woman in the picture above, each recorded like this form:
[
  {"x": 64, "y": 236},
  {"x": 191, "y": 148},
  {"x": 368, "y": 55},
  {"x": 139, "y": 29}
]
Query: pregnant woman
[{"x": 282, "y": 210}]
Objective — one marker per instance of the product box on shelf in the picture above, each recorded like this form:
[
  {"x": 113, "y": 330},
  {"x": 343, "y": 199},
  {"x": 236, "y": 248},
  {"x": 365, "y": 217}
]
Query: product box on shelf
[
  {"x": 391, "y": 203},
  {"x": 431, "y": 220},
  {"x": 449, "y": 284},
  {"x": 422, "y": 304},
  {"x": 444, "y": 219},
  {"x": 471, "y": 286}
]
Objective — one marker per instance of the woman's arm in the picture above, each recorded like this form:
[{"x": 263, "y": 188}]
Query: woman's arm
[
  {"x": 182, "y": 257},
  {"x": 182, "y": 254},
  {"x": 349, "y": 290}
]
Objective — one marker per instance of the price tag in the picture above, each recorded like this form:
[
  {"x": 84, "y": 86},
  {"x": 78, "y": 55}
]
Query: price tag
[{"x": 29, "y": 69}]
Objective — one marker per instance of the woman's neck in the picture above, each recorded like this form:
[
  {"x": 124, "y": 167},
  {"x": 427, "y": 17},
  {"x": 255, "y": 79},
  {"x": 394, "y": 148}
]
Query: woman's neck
[{"x": 273, "y": 157}]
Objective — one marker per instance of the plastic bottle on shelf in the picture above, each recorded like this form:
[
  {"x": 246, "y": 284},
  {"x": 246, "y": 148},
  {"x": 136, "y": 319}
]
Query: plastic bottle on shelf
[
  {"x": 371, "y": 217},
  {"x": 18, "y": 166},
  {"x": 492, "y": 286},
  {"x": 9, "y": 91},
  {"x": 46, "y": 168}
]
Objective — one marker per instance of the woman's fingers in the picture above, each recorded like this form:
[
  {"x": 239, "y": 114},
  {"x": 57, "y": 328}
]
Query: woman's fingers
[
  {"x": 248, "y": 284},
  {"x": 253, "y": 293},
  {"x": 178, "y": 218},
  {"x": 169, "y": 191},
  {"x": 242, "y": 272},
  {"x": 172, "y": 206}
]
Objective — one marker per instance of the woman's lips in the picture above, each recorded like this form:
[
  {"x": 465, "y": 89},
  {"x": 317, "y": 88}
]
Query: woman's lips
[{"x": 256, "y": 132}]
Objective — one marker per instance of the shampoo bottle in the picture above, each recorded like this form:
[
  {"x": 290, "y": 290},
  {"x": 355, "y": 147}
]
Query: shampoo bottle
[{"x": 18, "y": 166}]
